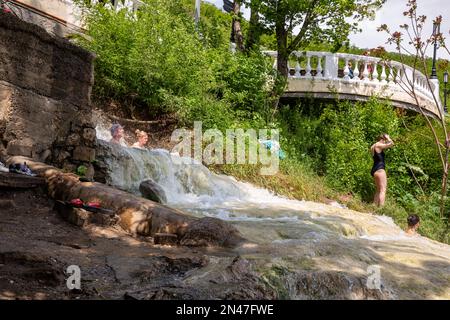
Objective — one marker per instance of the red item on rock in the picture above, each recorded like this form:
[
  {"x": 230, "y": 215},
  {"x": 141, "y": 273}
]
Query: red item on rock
[
  {"x": 94, "y": 204},
  {"x": 76, "y": 202}
]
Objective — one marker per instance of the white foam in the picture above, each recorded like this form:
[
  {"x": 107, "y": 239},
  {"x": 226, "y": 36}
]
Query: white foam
[
  {"x": 387, "y": 220},
  {"x": 187, "y": 182},
  {"x": 402, "y": 236}
]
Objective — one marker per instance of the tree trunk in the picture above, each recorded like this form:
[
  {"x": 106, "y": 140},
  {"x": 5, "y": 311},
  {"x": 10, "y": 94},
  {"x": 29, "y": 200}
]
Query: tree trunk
[
  {"x": 237, "y": 31},
  {"x": 282, "y": 63},
  {"x": 444, "y": 180},
  {"x": 283, "y": 54}
]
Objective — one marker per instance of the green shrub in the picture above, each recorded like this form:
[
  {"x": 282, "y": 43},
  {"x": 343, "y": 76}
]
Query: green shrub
[
  {"x": 81, "y": 170},
  {"x": 158, "y": 60}
]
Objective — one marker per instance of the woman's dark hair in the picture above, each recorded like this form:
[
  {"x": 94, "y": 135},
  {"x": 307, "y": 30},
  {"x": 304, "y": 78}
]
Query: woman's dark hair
[
  {"x": 381, "y": 137},
  {"x": 413, "y": 219}
]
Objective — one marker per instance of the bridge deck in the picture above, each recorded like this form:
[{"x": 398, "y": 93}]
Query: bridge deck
[{"x": 358, "y": 91}]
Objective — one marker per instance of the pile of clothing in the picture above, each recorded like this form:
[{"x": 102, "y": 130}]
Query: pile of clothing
[
  {"x": 274, "y": 147},
  {"x": 21, "y": 168}
]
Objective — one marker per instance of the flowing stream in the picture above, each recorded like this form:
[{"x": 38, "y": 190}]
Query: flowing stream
[{"x": 291, "y": 234}]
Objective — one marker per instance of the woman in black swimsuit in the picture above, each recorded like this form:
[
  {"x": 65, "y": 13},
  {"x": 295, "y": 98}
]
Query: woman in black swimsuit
[{"x": 378, "y": 169}]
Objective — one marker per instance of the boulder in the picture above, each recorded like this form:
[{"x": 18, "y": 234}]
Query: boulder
[
  {"x": 211, "y": 232},
  {"x": 165, "y": 239},
  {"x": 152, "y": 191}
]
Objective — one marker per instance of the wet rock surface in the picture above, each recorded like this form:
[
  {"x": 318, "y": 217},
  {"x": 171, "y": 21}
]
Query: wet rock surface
[
  {"x": 152, "y": 191},
  {"x": 37, "y": 246},
  {"x": 336, "y": 286},
  {"x": 211, "y": 232}
]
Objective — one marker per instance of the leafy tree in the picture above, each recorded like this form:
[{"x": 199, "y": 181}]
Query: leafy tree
[{"x": 297, "y": 23}]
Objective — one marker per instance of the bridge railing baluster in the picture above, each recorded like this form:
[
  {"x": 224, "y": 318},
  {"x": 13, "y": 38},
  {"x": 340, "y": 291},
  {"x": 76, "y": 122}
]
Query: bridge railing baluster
[
  {"x": 319, "y": 66},
  {"x": 308, "y": 66},
  {"x": 383, "y": 73},
  {"x": 375, "y": 71},
  {"x": 390, "y": 78},
  {"x": 346, "y": 70},
  {"x": 297, "y": 65},
  {"x": 366, "y": 71},
  {"x": 331, "y": 66}
]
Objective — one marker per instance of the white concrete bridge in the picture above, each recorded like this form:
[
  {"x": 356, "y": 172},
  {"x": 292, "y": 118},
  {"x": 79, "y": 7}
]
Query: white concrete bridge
[{"x": 327, "y": 75}]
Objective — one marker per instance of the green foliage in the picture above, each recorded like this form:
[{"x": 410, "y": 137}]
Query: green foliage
[
  {"x": 416, "y": 167},
  {"x": 350, "y": 129},
  {"x": 81, "y": 170},
  {"x": 337, "y": 144},
  {"x": 158, "y": 60}
]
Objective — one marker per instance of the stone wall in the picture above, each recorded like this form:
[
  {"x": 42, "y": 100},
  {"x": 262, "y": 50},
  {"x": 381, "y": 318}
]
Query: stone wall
[{"x": 45, "y": 87}]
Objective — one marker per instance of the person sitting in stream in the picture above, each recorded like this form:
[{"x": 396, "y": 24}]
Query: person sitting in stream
[
  {"x": 413, "y": 224},
  {"x": 142, "y": 138},
  {"x": 117, "y": 134}
]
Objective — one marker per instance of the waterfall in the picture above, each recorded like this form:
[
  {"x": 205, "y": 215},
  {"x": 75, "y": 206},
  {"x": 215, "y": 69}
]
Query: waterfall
[
  {"x": 192, "y": 187},
  {"x": 188, "y": 183}
]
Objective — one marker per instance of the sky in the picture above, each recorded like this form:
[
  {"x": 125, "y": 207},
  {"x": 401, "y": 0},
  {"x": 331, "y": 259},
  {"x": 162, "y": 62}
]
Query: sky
[{"x": 392, "y": 15}]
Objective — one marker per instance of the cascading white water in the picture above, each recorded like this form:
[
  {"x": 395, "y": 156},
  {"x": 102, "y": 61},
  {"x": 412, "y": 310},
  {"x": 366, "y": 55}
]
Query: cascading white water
[{"x": 191, "y": 186}]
